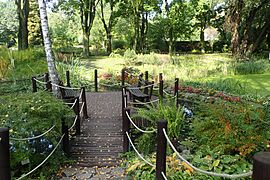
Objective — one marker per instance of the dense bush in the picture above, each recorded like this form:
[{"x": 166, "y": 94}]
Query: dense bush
[
  {"x": 251, "y": 67},
  {"x": 21, "y": 64},
  {"x": 28, "y": 115}
]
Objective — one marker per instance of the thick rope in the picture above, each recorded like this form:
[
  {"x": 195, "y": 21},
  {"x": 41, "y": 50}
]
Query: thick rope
[
  {"x": 73, "y": 104},
  {"x": 203, "y": 171},
  {"x": 64, "y": 87},
  {"x": 74, "y": 123},
  {"x": 41, "y": 82},
  {"x": 143, "y": 103},
  {"x": 80, "y": 97},
  {"x": 109, "y": 85},
  {"x": 147, "y": 162},
  {"x": 132, "y": 122},
  {"x": 163, "y": 175},
  {"x": 82, "y": 107},
  {"x": 32, "y": 138},
  {"x": 24, "y": 175}
]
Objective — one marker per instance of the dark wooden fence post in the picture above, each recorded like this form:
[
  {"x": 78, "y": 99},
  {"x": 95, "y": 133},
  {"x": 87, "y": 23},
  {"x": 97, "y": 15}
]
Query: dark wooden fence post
[
  {"x": 123, "y": 77},
  {"x": 65, "y": 138},
  {"x": 261, "y": 166},
  {"x": 146, "y": 82},
  {"x": 4, "y": 154},
  {"x": 68, "y": 78},
  {"x": 48, "y": 82},
  {"x": 176, "y": 90},
  {"x": 34, "y": 84},
  {"x": 161, "y": 95},
  {"x": 124, "y": 96},
  {"x": 96, "y": 81},
  {"x": 161, "y": 150},
  {"x": 85, "y": 114},
  {"x": 126, "y": 128},
  {"x": 77, "y": 112},
  {"x": 160, "y": 77}
]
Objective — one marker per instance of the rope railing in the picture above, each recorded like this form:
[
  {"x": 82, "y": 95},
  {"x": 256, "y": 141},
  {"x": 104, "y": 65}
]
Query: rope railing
[
  {"x": 73, "y": 104},
  {"x": 147, "y": 162},
  {"x": 164, "y": 176},
  {"x": 132, "y": 122},
  {"x": 41, "y": 82},
  {"x": 83, "y": 104},
  {"x": 203, "y": 171},
  {"x": 32, "y": 138},
  {"x": 143, "y": 103},
  {"x": 74, "y": 123},
  {"x": 64, "y": 87},
  {"x": 109, "y": 85},
  {"x": 30, "y": 172}
]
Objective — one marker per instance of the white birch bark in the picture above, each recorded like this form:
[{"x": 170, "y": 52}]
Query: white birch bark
[{"x": 48, "y": 47}]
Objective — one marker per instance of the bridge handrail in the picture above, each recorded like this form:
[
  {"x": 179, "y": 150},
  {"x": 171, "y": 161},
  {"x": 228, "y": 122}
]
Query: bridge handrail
[
  {"x": 34, "y": 169},
  {"x": 32, "y": 138}
]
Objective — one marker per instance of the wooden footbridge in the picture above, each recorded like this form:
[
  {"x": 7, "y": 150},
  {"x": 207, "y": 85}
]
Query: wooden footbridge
[{"x": 101, "y": 141}]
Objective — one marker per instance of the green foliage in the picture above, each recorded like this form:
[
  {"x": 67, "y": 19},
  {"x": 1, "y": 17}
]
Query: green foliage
[
  {"x": 65, "y": 28},
  {"x": 34, "y": 25},
  {"x": 8, "y": 21},
  {"x": 16, "y": 86},
  {"x": 28, "y": 115},
  {"x": 251, "y": 67},
  {"x": 22, "y": 64},
  {"x": 228, "y": 85},
  {"x": 231, "y": 127},
  {"x": 169, "y": 112}
]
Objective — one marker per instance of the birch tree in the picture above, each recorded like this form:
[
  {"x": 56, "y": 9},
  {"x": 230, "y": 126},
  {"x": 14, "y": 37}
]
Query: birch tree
[{"x": 48, "y": 47}]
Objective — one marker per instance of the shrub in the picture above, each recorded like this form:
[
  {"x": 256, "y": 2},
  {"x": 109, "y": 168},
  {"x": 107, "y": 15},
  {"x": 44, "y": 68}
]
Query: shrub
[
  {"x": 251, "y": 67},
  {"x": 27, "y": 115},
  {"x": 231, "y": 127}
]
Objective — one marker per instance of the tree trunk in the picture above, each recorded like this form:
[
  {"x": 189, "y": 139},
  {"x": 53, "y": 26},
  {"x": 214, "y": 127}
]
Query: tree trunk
[
  {"x": 48, "y": 48},
  {"x": 260, "y": 38},
  {"x": 202, "y": 41},
  {"x": 235, "y": 19},
  {"x": 86, "y": 51},
  {"x": 23, "y": 12},
  {"x": 109, "y": 43}
]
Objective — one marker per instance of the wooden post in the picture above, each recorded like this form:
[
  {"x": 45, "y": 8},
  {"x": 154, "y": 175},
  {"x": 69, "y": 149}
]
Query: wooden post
[
  {"x": 161, "y": 150},
  {"x": 161, "y": 90},
  {"x": 160, "y": 77},
  {"x": 68, "y": 78},
  {"x": 261, "y": 166},
  {"x": 146, "y": 82},
  {"x": 176, "y": 86},
  {"x": 123, "y": 77},
  {"x": 48, "y": 82},
  {"x": 85, "y": 114},
  {"x": 96, "y": 81},
  {"x": 176, "y": 90},
  {"x": 146, "y": 75},
  {"x": 77, "y": 112},
  {"x": 126, "y": 128},
  {"x": 4, "y": 154},
  {"x": 34, "y": 84},
  {"x": 65, "y": 141}
]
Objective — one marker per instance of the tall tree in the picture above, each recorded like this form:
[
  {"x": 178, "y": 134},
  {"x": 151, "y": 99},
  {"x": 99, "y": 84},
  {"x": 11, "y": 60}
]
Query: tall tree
[
  {"x": 48, "y": 47},
  {"x": 23, "y": 12},
  {"x": 249, "y": 24},
  {"x": 34, "y": 25},
  {"x": 8, "y": 21},
  {"x": 111, "y": 19},
  {"x": 87, "y": 14}
]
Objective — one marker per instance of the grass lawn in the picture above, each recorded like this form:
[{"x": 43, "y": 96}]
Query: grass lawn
[{"x": 259, "y": 83}]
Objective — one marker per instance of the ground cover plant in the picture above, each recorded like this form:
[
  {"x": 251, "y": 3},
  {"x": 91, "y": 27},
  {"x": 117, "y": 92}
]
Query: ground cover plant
[
  {"x": 222, "y": 135},
  {"x": 29, "y": 115}
]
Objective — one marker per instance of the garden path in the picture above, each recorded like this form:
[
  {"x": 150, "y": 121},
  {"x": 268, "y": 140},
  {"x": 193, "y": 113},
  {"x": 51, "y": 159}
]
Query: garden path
[{"x": 97, "y": 150}]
